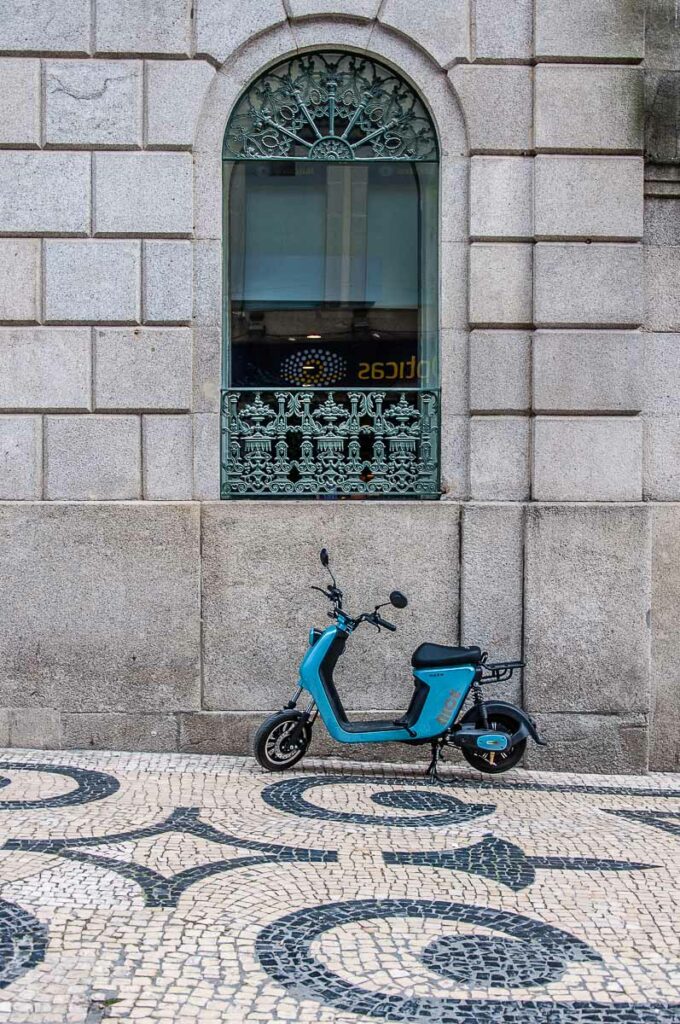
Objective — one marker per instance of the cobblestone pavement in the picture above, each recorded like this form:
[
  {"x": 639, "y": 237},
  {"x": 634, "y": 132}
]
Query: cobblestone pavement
[{"x": 151, "y": 887}]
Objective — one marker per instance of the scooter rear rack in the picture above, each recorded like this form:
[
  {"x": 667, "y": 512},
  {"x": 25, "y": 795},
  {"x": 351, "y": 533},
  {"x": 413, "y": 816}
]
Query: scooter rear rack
[{"x": 499, "y": 671}]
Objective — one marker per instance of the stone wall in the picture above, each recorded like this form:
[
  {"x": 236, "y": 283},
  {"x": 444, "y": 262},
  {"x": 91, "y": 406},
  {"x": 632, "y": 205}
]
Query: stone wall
[{"x": 142, "y": 613}]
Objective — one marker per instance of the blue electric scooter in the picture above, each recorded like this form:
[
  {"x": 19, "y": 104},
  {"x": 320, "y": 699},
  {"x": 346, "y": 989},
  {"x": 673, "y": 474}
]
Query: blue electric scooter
[{"x": 492, "y": 735}]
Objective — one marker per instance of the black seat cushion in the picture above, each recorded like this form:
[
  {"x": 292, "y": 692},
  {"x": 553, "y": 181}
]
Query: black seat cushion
[{"x": 438, "y": 656}]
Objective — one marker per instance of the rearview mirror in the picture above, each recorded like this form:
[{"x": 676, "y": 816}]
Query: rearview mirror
[
  {"x": 323, "y": 555},
  {"x": 397, "y": 599}
]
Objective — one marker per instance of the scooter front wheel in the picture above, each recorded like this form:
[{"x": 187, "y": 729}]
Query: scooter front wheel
[
  {"x": 273, "y": 747},
  {"x": 496, "y": 761}
]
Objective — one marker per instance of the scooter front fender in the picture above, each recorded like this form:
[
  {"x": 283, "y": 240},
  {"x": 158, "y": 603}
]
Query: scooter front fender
[{"x": 525, "y": 725}]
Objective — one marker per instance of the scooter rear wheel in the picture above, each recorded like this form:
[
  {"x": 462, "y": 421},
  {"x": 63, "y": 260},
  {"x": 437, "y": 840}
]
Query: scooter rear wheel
[
  {"x": 495, "y": 762},
  {"x": 272, "y": 748}
]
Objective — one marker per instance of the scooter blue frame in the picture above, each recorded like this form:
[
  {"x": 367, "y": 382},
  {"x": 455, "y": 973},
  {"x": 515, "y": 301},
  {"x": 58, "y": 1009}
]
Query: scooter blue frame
[{"x": 447, "y": 690}]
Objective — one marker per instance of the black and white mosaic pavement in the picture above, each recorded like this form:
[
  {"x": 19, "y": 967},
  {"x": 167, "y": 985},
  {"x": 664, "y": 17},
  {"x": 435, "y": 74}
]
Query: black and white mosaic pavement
[{"x": 197, "y": 889}]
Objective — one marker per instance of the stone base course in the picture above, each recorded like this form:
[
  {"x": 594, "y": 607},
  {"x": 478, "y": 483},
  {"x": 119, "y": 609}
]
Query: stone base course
[{"x": 179, "y": 625}]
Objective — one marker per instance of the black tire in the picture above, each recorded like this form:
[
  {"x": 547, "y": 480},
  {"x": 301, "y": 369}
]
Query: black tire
[
  {"x": 496, "y": 762},
  {"x": 270, "y": 747}
]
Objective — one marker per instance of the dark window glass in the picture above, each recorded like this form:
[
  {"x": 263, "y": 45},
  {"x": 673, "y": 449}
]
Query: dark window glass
[{"x": 332, "y": 274}]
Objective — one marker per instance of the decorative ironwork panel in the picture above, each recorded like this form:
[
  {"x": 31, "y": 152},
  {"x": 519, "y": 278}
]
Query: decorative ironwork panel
[
  {"x": 330, "y": 106},
  {"x": 330, "y": 443}
]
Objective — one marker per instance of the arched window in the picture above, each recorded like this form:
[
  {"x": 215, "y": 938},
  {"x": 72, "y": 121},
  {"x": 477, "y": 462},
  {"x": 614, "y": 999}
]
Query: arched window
[{"x": 331, "y": 370}]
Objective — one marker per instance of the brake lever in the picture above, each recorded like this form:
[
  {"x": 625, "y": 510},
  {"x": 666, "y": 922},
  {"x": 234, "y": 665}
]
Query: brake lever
[{"x": 321, "y": 591}]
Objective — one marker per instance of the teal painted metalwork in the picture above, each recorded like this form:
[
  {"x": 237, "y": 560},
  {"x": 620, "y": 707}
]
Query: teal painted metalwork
[
  {"x": 330, "y": 106},
  {"x": 310, "y": 443}
]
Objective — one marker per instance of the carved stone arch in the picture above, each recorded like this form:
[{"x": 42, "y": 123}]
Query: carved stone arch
[{"x": 433, "y": 86}]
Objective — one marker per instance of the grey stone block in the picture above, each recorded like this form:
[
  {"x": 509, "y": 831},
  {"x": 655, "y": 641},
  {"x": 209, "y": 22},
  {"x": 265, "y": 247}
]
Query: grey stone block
[
  {"x": 501, "y": 283},
  {"x": 609, "y": 29},
  {"x": 143, "y": 193},
  {"x": 601, "y": 744},
  {"x": 20, "y": 457},
  {"x": 498, "y": 105},
  {"x": 662, "y": 295},
  {"x": 444, "y": 32},
  {"x": 219, "y": 732},
  {"x": 587, "y": 371},
  {"x": 19, "y": 279},
  {"x": 501, "y": 197},
  {"x": 4, "y": 727},
  {"x": 35, "y": 728},
  {"x": 503, "y": 29},
  {"x": 92, "y": 280},
  {"x": 661, "y": 374},
  {"x": 455, "y": 432},
  {"x": 167, "y": 458},
  {"x": 111, "y": 731},
  {"x": 453, "y": 275},
  {"x": 366, "y": 546},
  {"x": 588, "y": 107},
  {"x": 167, "y": 282},
  {"x": 662, "y": 221},
  {"x": 44, "y": 193},
  {"x": 93, "y": 103},
  {"x": 49, "y": 26},
  {"x": 588, "y": 196},
  {"x": 586, "y": 602},
  {"x": 662, "y": 45},
  {"x": 499, "y": 458},
  {"x": 662, "y": 99},
  {"x": 453, "y": 214},
  {"x": 143, "y": 26},
  {"x": 665, "y": 719},
  {"x": 222, "y": 26},
  {"x": 492, "y": 568},
  {"x": 175, "y": 91},
  {"x": 144, "y": 368},
  {"x": 207, "y": 315},
  {"x": 19, "y": 101},
  {"x": 45, "y": 368},
  {"x": 661, "y": 458},
  {"x": 587, "y": 458},
  {"x": 92, "y": 458},
  {"x": 348, "y": 8},
  {"x": 100, "y": 607},
  {"x": 500, "y": 368},
  {"x": 581, "y": 285},
  {"x": 207, "y": 438},
  {"x": 453, "y": 359}
]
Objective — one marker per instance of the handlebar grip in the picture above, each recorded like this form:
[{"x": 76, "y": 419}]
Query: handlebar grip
[{"x": 385, "y": 625}]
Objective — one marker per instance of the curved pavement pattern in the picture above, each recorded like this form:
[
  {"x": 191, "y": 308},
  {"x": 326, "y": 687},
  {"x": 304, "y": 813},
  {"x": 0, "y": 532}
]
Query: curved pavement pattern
[{"x": 167, "y": 887}]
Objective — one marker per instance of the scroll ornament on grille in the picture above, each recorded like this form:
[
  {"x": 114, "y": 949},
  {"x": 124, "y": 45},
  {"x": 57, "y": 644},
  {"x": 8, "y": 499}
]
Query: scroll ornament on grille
[
  {"x": 330, "y": 442},
  {"x": 330, "y": 106}
]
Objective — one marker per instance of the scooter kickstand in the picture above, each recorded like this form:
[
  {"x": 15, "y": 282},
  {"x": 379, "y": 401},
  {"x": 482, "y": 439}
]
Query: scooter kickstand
[{"x": 432, "y": 769}]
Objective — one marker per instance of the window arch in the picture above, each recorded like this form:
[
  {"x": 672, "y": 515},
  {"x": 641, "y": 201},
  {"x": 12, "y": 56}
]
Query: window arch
[{"x": 331, "y": 377}]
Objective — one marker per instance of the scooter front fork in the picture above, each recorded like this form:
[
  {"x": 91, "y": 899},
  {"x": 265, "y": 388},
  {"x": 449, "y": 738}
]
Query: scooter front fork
[
  {"x": 308, "y": 717},
  {"x": 293, "y": 703}
]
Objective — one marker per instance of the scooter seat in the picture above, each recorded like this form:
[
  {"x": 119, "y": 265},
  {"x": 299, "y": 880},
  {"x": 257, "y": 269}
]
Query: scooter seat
[{"x": 439, "y": 656}]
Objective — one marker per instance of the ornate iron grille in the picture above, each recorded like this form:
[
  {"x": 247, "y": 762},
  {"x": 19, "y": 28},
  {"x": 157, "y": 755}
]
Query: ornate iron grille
[
  {"x": 312, "y": 443},
  {"x": 330, "y": 106}
]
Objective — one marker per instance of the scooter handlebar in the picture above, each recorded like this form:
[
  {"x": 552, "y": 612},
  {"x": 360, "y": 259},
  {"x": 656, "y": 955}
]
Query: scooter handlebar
[{"x": 379, "y": 621}]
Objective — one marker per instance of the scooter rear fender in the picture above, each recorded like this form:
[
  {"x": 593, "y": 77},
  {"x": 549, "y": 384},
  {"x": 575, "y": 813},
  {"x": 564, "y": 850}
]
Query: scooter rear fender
[{"x": 525, "y": 725}]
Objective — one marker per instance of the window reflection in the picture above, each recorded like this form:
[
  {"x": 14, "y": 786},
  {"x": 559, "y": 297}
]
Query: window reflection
[{"x": 333, "y": 277}]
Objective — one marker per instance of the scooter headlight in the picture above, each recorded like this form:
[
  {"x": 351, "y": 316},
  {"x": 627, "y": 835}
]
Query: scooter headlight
[{"x": 314, "y": 635}]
